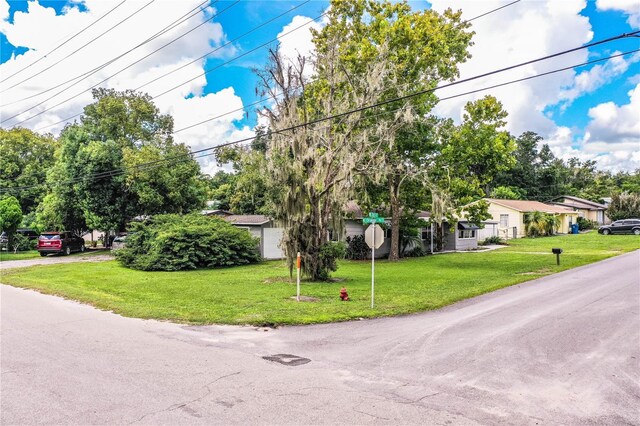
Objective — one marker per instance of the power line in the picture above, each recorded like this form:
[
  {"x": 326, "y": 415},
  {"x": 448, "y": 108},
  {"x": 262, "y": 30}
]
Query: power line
[
  {"x": 224, "y": 45},
  {"x": 167, "y": 28},
  {"x": 206, "y": 71},
  {"x": 186, "y": 157},
  {"x": 181, "y": 84},
  {"x": 81, "y": 47},
  {"x": 171, "y": 26},
  {"x": 491, "y": 11},
  {"x": 65, "y": 42}
]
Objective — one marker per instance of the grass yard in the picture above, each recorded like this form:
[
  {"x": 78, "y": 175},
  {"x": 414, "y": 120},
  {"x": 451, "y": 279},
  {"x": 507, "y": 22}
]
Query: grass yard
[
  {"x": 6, "y": 256},
  {"x": 262, "y": 294}
]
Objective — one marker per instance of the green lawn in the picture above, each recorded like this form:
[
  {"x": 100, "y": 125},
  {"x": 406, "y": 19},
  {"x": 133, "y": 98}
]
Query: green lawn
[
  {"x": 261, "y": 294},
  {"x": 34, "y": 254}
]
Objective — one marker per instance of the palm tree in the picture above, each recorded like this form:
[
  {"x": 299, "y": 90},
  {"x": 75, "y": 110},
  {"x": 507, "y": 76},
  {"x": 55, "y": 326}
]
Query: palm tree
[
  {"x": 552, "y": 223},
  {"x": 535, "y": 224}
]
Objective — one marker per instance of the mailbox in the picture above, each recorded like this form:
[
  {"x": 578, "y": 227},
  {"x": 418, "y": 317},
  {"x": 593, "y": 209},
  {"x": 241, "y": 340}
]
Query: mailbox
[{"x": 556, "y": 250}]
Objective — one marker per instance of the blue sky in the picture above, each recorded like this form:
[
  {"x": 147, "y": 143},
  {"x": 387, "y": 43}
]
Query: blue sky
[{"x": 573, "y": 113}]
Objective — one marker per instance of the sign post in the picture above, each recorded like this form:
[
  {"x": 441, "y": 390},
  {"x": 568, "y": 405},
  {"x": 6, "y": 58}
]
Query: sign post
[
  {"x": 298, "y": 277},
  {"x": 374, "y": 237}
]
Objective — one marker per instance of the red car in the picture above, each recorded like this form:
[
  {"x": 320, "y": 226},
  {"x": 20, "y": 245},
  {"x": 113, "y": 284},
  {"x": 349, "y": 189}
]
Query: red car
[{"x": 59, "y": 242}]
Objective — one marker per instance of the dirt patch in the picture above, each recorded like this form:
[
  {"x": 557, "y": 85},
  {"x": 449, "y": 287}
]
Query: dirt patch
[
  {"x": 543, "y": 271},
  {"x": 278, "y": 280},
  {"x": 306, "y": 298}
]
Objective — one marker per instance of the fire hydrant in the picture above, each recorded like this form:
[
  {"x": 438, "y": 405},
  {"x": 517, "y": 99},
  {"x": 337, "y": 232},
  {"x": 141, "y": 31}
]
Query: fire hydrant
[{"x": 343, "y": 294}]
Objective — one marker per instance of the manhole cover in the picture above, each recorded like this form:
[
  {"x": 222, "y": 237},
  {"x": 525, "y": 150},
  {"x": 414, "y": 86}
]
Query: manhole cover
[{"x": 287, "y": 359}]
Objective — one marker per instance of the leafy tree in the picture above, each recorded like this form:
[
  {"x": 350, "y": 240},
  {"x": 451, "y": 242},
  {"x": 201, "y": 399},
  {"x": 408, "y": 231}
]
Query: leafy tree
[
  {"x": 25, "y": 158},
  {"x": 507, "y": 193},
  {"x": 119, "y": 162},
  {"x": 478, "y": 149},
  {"x": 421, "y": 49},
  {"x": 313, "y": 164},
  {"x": 10, "y": 216},
  {"x": 624, "y": 205}
]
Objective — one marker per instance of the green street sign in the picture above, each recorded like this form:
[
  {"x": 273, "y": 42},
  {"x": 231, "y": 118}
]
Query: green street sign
[
  {"x": 373, "y": 215},
  {"x": 371, "y": 220}
]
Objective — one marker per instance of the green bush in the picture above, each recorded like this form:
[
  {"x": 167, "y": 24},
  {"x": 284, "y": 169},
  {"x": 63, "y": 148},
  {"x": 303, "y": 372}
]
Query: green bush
[
  {"x": 584, "y": 224},
  {"x": 357, "y": 248},
  {"x": 494, "y": 239},
  {"x": 22, "y": 243},
  {"x": 178, "y": 242},
  {"x": 330, "y": 252},
  {"x": 416, "y": 251}
]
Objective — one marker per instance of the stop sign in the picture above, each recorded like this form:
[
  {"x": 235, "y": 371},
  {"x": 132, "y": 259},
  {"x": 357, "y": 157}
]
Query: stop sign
[{"x": 369, "y": 234}]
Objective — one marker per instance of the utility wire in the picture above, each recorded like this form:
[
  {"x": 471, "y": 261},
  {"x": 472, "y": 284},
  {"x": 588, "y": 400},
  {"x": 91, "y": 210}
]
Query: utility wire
[
  {"x": 206, "y": 71},
  {"x": 167, "y": 28},
  {"x": 81, "y": 47},
  {"x": 65, "y": 42},
  {"x": 224, "y": 45},
  {"x": 186, "y": 157},
  {"x": 179, "y": 85},
  {"x": 491, "y": 11},
  {"x": 128, "y": 66}
]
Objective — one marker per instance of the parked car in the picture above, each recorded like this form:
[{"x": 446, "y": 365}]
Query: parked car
[
  {"x": 4, "y": 241},
  {"x": 119, "y": 242},
  {"x": 63, "y": 242},
  {"x": 29, "y": 233},
  {"x": 625, "y": 226}
]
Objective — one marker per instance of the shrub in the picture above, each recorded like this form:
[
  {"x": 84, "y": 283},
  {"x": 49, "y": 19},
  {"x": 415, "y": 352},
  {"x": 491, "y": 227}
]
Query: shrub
[
  {"x": 178, "y": 242},
  {"x": 494, "y": 239},
  {"x": 330, "y": 252},
  {"x": 416, "y": 251},
  {"x": 357, "y": 248},
  {"x": 22, "y": 243},
  {"x": 584, "y": 224}
]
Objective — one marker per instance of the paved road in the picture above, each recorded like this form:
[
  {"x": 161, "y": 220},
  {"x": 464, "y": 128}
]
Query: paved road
[{"x": 564, "y": 349}]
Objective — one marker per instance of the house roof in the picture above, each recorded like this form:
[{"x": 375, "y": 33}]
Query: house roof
[
  {"x": 247, "y": 219},
  {"x": 577, "y": 202},
  {"x": 530, "y": 206},
  {"x": 216, "y": 212}
]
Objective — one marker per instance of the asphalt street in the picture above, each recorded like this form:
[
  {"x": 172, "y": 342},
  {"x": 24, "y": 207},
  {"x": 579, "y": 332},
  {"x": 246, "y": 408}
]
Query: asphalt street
[{"x": 564, "y": 349}]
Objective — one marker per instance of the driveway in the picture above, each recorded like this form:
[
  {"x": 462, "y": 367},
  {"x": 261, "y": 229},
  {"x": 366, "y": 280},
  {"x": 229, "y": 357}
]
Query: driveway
[
  {"x": 54, "y": 259},
  {"x": 563, "y": 349}
]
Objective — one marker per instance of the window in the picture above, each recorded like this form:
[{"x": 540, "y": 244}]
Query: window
[
  {"x": 426, "y": 234},
  {"x": 467, "y": 233},
  {"x": 504, "y": 221},
  {"x": 387, "y": 232}
]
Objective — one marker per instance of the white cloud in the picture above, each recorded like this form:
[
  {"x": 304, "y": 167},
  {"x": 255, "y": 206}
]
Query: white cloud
[
  {"x": 613, "y": 123},
  {"x": 629, "y": 7},
  {"x": 531, "y": 29},
  {"x": 4, "y": 11},
  {"x": 134, "y": 31},
  {"x": 612, "y": 137},
  {"x": 298, "y": 42},
  {"x": 590, "y": 80},
  {"x": 518, "y": 33}
]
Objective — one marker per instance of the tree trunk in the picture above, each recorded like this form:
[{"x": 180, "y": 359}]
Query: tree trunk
[{"x": 394, "y": 192}]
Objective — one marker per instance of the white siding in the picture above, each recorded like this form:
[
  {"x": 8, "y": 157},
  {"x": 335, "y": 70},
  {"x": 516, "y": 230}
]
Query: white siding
[{"x": 271, "y": 238}]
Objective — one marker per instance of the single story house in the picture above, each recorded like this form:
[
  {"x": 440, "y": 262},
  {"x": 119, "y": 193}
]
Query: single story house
[
  {"x": 261, "y": 227},
  {"x": 585, "y": 208},
  {"x": 464, "y": 236},
  {"x": 510, "y": 215}
]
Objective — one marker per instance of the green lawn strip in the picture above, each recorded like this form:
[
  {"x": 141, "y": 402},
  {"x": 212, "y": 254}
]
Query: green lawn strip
[
  {"x": 262, "y": 294},
  {"x": 34, "y": 254}
]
